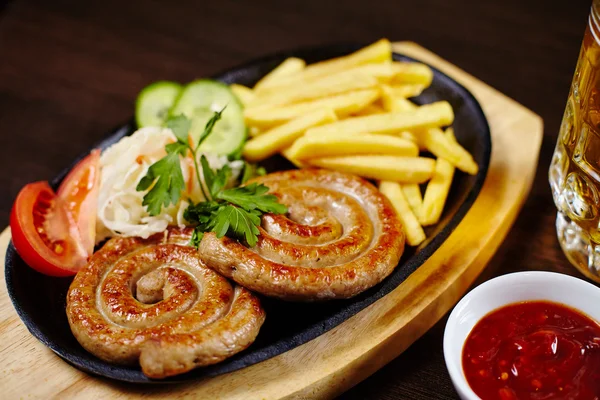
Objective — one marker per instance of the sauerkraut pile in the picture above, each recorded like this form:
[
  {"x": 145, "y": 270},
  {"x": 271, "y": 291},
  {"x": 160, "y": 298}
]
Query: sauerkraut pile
[{"x": 120, "y": 209}]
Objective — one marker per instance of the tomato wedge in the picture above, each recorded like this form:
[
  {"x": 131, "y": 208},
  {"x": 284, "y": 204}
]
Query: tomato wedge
[
  {"x": 79, "y": 191},
  {"x": 43, "y": 232}
]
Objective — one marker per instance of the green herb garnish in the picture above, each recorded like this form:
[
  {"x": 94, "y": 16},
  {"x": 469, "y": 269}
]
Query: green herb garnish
[
  {"x": 167, "y": 182},
  {"x": 250, "y": 171},
  {"x": 234, "y": 212}
]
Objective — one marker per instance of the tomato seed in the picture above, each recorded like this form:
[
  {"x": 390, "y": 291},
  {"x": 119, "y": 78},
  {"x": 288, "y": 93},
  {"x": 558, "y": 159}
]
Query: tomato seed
[{"x": 58, "y": 248}]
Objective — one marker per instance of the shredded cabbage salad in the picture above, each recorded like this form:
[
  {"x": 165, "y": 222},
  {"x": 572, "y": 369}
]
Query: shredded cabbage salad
[{"x": 120, "y": 209}]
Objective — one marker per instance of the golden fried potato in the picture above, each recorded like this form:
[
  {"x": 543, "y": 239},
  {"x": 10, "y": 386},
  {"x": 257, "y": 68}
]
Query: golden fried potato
[
  {"x": 412, "y": 72},
  {"x": 429, "y": 115},
  {"x": 254, "y": 131},
  {"x": 400, "y": 104},
  {"x": 244, "y": 93},
  {"x": 408, "y": 79},
  {"x": 352, "y": 114},
  {"x": 297, "y": 163},
  {"x": 442, "y": 146},
  {"x": 449, "y": 133},
  {"x": 381, "y": 72},
  {"x": 412, "y": 192},
  {"x": 342, "y": 104},
  {"x": 289, "y": 67},
  {"x": 384, "y": 73},
  {"x": 371, "y": 109},
  {"x": 337, "y": 145},
  {"x": 378, "y": 52},
  {"x": 276, "y": 139},
  {"x": 407, "y": 90},
  {"x": 408, "y": 135},
  {"x": 413, "y": 230},
  {"x": 393, "y": 103},
  {"x": 327, "y": 86},
  {"x": 383, "y": 167},
  {"x": 436, "y": 193}
]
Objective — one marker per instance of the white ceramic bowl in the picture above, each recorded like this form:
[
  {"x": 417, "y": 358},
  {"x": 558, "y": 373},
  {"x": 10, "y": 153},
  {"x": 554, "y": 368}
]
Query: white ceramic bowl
[{"x": 507, "y": 289}]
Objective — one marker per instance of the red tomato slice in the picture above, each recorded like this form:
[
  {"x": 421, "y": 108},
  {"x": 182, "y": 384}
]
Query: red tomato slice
[
  {"x": 43, "y": 234},
  {"x": 79, "y": 191}
]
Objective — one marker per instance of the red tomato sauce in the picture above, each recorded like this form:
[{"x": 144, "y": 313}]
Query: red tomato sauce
[{"x": 534, "y": 350}]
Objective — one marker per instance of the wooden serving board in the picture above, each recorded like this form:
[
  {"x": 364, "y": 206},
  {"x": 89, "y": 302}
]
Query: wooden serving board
[{"x": 342, "y": 357}]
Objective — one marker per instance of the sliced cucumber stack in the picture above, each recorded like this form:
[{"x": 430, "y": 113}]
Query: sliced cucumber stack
[
  {"x": 198, "y": 101},
  {"x": 154, "y": 102}
]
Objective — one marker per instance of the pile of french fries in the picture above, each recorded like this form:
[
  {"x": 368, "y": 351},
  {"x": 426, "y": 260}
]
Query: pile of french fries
[{"x": 352, "y": 114}]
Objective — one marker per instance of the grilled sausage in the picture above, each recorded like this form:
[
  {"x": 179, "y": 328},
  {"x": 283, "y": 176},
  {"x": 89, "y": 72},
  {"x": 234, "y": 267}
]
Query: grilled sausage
[
  {"x": 339, "y": 238},
  {"x": 183, "y": 315}
]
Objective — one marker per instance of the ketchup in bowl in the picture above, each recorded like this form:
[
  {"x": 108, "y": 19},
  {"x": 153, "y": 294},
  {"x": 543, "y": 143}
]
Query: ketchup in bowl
[{"x": 534, "y": 350}]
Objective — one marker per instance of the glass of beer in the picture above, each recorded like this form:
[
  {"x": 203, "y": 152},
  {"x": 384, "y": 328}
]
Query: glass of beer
[{"x": 575, "y": 170}]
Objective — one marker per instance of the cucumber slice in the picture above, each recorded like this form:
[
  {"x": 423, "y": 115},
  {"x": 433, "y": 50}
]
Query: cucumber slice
[
  {"x": 154, "y": 102},
  {"x": 198, "y": 101}
]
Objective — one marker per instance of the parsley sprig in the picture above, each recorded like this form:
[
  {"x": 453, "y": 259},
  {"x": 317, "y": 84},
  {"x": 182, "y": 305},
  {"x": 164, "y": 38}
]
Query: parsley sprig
[{"x": 234, "y": 212}]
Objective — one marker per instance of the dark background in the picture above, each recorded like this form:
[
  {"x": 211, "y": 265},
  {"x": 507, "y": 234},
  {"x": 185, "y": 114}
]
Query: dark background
[{"x": 70, "y": 71}]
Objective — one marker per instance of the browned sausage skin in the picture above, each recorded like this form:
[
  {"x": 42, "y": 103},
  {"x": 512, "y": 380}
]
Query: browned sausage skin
[
  {"x": 340, "y": 237},
  {"x": 183, "y": 315}
]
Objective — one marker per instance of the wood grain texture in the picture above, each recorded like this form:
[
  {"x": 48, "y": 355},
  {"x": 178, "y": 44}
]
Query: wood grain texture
[{"x": 355, "y": 349}]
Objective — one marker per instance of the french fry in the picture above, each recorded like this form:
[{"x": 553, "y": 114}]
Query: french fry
[
  {"x": 429, "y": 115},
  {"x": 382, "y": 72},
  {"x": 441, "y": 145},
  {"x": 400, "y": 103},
  {"x": 389, "y": 168},
  {"x": 254, "y": 131},
  {"x": 391, "y": 102},
  {"x": 408, "y": 135},
  {"x": 378, "y": 52},
  {"x": 412, "y": 72},
  {"x": 245, "y": 94},
  {"x": 388, "y": 100},
  {"x": 371, "y": 109},
  {"x": 342, "y": 104},
  {"x": 324, "y": 87},
  {"x": 407, "y": 90},
  {"x": 412, "y": 192},
  {"x": 289, "y": 67},
  {"x": 276, "y": 139},
  {"x": 449, "y": 133},
  {"x": 352, "y": 114},
  {"x": 394, "y": 99},
  {"x": 436, "y": 193},
  {"x": 335, "y": 145},
  {"x": 413, "y": 230},
  {"x": 408, "y": 78},
  {"x": 299, "y": 164}
]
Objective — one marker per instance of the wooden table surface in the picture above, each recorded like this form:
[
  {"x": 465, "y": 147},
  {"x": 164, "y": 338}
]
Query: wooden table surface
[{"x": 70, "y": 71}]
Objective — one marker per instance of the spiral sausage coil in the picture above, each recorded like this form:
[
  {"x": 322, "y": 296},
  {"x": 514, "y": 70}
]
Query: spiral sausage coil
[
  {"x": 154, "y": 300},
  {"x": 340, "y": 237}
]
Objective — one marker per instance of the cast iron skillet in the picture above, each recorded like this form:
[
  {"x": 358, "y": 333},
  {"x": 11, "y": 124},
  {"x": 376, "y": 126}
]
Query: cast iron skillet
[{"x": 40, "y": 300}]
